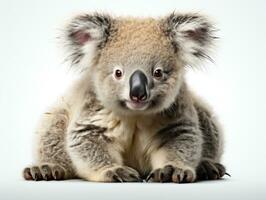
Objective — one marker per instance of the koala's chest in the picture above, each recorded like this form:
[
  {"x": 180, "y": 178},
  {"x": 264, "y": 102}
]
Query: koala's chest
[{"x": 133, "y": 138}]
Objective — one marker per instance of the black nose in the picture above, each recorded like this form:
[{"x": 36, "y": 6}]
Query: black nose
[{"x": 138, "y": 86}]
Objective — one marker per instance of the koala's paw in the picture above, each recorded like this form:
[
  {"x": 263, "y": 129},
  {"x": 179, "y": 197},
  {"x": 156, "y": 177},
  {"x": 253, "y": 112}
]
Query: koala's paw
[
  {"x": 170, "y": 173},
  {"x": 44, "y": 172},
  {"x": 121, "y": 174},
  {"x": 208, "y": 170}
]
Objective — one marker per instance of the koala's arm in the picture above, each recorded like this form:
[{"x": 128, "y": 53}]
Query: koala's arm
[
  {"x": 50, "y": 153},
  {"x": 95, "y": 155},
  {"x": 58, "y": 116},
  {"x": 179, "y": 143}
]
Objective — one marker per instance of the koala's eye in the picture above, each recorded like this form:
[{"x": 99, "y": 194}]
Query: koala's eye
[
  {"x": 158, "y": 73},
  {"x": 118, "y": 73}
]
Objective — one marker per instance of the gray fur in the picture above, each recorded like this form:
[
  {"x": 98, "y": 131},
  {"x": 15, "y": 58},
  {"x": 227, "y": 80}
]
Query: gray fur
[
  {"x": 210, "y": 132},
  {"x": 51, "y": 149}
]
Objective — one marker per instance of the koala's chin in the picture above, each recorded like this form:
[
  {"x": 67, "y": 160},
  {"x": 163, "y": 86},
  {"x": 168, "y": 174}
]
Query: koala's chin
[
  {"x": 137, "y": 105},
  {"x": 148, "y": 107},
  {"x": 134, "y": 107}
]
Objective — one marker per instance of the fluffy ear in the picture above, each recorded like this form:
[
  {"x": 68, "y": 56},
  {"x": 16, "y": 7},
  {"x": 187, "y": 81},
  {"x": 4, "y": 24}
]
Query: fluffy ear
[
  {"x": 192, "y": 36},
  {"x": 84, "y": 36}
]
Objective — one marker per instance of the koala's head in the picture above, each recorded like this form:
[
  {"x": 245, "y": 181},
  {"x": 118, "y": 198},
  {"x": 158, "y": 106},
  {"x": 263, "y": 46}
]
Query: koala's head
[{"x": 137, "y": 64}]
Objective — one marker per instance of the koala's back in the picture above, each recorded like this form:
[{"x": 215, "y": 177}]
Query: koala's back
[{"x": 212, "y": 132}]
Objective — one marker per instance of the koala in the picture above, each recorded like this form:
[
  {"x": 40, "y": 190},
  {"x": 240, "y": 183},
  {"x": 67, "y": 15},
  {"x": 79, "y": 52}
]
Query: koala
[{"x": 131, "y": 116}]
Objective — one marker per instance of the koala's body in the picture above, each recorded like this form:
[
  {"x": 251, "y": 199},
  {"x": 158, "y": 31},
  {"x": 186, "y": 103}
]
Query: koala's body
[{"x": 131, "y": 115}]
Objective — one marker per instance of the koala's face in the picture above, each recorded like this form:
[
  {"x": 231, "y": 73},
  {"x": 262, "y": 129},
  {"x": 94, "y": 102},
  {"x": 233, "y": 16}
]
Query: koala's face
[
  {"x": 138, "y": 70},
  {"x": 138, "y": 64}
]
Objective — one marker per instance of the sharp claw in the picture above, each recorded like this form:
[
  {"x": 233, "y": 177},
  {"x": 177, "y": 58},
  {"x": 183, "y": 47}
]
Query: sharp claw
[
  {"x": 56, "y": 175},
  {"x": 45, "y": 177},
  {"x": 161, "y": 177},
  {"x": 136, "y": 177},
  {"x": 227, "y": 174},
  {"x": 117, "y": 178},
  {"x": 216, "y": 175},
  {"x": 35, "y": 177},
  {"x": 149, "y": 177},
  {"x": 184, "y": 178}
]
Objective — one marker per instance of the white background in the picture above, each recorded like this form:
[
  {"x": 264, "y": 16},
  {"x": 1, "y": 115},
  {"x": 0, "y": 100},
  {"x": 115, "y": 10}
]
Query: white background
[{"x": 32, "y": 75}]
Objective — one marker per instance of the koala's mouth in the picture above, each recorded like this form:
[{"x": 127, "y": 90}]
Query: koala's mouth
[{"x": 137, "y": 105}]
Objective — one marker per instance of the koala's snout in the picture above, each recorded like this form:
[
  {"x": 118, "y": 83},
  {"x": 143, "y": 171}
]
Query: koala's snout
[{"x": 138, "y": 86}]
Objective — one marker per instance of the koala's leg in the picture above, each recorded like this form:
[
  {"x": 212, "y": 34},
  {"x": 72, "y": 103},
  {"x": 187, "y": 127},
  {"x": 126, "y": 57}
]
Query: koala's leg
[
  {"x": 178, "y": 153},
  {"x": 210, "y": 167},
  {"x": 177, "y": 146},
  {"x": 95, "y": 155},
  {"x": 52, "y": 161}
]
